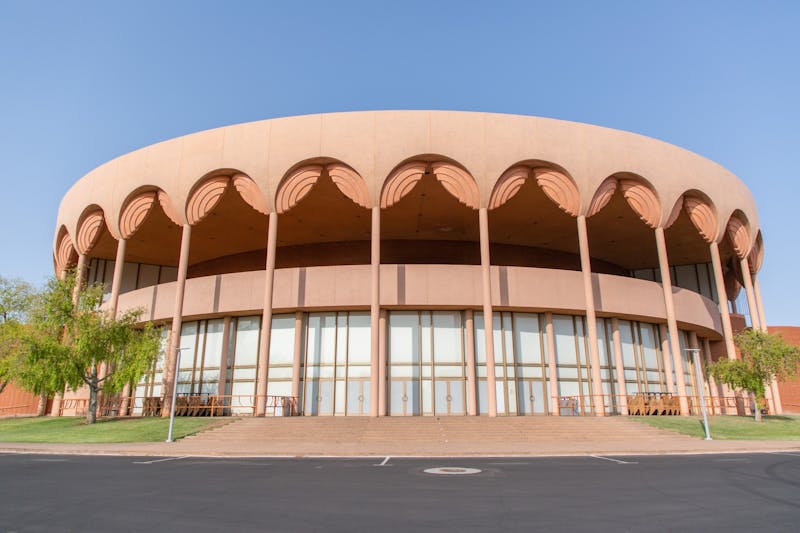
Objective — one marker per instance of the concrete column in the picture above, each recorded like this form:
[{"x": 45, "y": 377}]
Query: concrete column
[
  {"x": 298, "y": 355},
  {"x": 591, "y": 317},
  {"x": 672, "y": 324},
  {"x": 666, "y": 356},
  {"x": 116, "y": 284},
  {"x": 716, "y": 407},
  {"x": 469, "y": 353},
  {"x": 266, "y": 317},
  {"x": 375, "y": 310},
  {"x": 491, "y": 388},
  {"x": 695, "y": 344},
  {"x": 776, "y": 393},
  {"x": 80, "y": 277},
  {"x": 722, "y": 296},
  {"x": 170, "y": 376},
  {"x": 619, "y": 365},
  {"x": 752, "y": 305},
  {"x": 382, "y": 363},
  {"x": 552, "y": 364},
  {"x": 223, "y": 362}
]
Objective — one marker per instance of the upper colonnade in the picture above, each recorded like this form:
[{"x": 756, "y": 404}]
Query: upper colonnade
[{"x": 374, "y": 158}]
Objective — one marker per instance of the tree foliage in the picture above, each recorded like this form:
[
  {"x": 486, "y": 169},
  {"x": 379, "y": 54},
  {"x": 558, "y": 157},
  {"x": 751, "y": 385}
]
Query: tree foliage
[
  {"x": 16, "y": 300},
  {"x": 764, "y": 357},
  {"x": 69, "y": 339}
]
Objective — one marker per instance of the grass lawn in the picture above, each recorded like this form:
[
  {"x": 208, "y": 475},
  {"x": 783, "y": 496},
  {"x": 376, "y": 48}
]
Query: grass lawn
[
  {"x": 75, "y": 429},
  {"x": 784, "y": 427}
]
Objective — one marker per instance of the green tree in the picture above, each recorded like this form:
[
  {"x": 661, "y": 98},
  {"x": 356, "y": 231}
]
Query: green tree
[
  {"x": 764, "y": 357},
  {"x": 71, "y": 338},
  {"x": 16, "y": 299}
]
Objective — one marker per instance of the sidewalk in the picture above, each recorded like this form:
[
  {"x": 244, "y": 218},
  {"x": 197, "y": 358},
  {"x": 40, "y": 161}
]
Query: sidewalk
[{"x": 421, "y": 437}]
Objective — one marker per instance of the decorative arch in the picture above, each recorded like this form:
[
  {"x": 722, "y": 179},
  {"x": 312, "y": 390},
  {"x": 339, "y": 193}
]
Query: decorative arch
[
  {"x": 560, "y": 188},
  {"x": 642, "y": 199},
  {"x": 89, "y": 229},
  {"x": 603, "y": 195},
  {"x": 298, "y": 183},
  {"x": 739, "y": 233},
  {"x": 205, "y": 198},
  {"x": 756, "y": 257},
  {"x": 702, "y": 214},
  {"x": 456, "y": 181},
  {"x": 135, "y": 212},
  {"x": 401, "y": 181},
  {"x": 169, "y": 208},
  {"x": 64, "y": 250},
  {"x": 349, "y": 183},
  {"x": 250, "y": 192},
  {"x": 508, "y": 185}
]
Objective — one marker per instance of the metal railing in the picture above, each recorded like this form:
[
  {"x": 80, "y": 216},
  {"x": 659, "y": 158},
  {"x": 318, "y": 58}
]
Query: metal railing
[{"x": 186, "y": 404}]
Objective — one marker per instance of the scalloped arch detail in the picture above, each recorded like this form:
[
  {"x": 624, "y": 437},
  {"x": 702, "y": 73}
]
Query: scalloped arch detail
[
  {"x": 675, "y": 213},
  {"x": 205, "y": 198},
  {"x": 250, "y": 193},
  {"x": 64, "y": 252},
  {"x": 89, "y": 232},
  {"x": 602, "y": 196},
  {"x": 401, "y": 181},
  {"x": 560, "y": 189},
  {"x": 458, "y": 182},
  {"x": 756, "y": 257},
  {"x": 702, "y": 216},
  {"x": 135, "y": 213},
  {"x": 169, "y": 208},
  {"x": 642, "y": 200},
  {"x": 739, "y": 235},
  {"x": 350, "y": 183},
  {"x": 296, "y": 186},
  {"x": 508, "y": 185}
]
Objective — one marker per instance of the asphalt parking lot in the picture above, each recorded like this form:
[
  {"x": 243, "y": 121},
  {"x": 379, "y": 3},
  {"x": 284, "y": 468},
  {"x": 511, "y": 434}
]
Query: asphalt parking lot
[{"x": 734, "y": 492}]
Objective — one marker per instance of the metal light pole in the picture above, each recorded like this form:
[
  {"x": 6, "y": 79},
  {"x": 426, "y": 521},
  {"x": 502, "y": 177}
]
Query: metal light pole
[
  {"x": 696, "y": 358},
  {"x": 174, "y": 392}
]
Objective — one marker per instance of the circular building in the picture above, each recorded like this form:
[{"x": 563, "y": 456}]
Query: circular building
[{"x": 345, "y": 264}]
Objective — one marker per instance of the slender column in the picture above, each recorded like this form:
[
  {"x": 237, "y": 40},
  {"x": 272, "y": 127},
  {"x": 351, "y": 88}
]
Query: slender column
[
  {"x": 266, "y": 317},
  {"x": 776, "y": 393},
  {"x": 116, "y": 283},
  {"x": 751, "y": 296},
  {"x": 672, "y": 324},
  {"x": 695, "y": 344},
  {"x": 712, "y": 384},
  {"x": 223, "y": 360},
  {"x": 298, "y": 354},
  {"x": 170, "y": 376},
  {"x": 382, "y": 364},
  {"x": 491, "y": 388},
  {"x": 469, "y": 353},
  {"x": 722, "y": 296},
  {"x": 552, "y": 364},
  {"x": 666, "y": 356},
  {"x": 619, "y": 365},
  {"x": 375, "y": 310},
  {"x": 591, "y": 317},
  {"x": 80, "y": 275}
]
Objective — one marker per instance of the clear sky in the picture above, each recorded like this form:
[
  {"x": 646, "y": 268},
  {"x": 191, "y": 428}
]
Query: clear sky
[{"x": 84, "y": 82}]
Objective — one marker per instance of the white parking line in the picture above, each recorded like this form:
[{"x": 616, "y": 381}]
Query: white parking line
[
  {"x": 618, "y": 461},
  {"x": 159, "y": 460},
  {"x": 786, "y": 453},
  {"x": 384, "y": 462}
]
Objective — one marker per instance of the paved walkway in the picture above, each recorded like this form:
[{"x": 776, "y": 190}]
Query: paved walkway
[{"x": 422, "y": 437}]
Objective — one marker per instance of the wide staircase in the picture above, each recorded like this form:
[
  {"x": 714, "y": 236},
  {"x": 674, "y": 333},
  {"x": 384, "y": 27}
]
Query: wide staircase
[{"x": 443, "y": 436}]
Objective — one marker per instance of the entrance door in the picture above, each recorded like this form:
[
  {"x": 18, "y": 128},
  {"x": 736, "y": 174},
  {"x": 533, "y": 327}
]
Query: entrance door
[
  {"x": 319, "y": 397},
  {"x": 531, "y": 397}
]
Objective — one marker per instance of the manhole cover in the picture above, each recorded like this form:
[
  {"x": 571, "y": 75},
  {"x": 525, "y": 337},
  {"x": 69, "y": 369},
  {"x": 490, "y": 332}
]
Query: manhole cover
[{"x": 452, "y": 470}]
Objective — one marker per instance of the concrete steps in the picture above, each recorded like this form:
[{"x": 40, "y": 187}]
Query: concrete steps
[{"x": 430, "y": 435}]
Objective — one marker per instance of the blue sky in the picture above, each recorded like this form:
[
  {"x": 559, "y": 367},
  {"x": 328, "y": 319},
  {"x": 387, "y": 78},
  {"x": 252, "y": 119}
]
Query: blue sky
[{"x": 84, "y": 82}]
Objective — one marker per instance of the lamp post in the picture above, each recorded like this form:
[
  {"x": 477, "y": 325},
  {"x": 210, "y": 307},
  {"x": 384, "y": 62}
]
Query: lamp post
[
  {"x": 174, "y": 392},
  {"x": 695, "y": 352}
]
